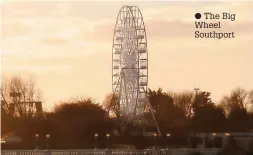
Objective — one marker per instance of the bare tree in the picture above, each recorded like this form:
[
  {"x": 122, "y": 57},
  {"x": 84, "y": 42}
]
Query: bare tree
[
  {"x": 111, "y": 104},
  {"x": 236, "y": 100},
  {"x": 238, "y": 97},
  {"x": 19, "y": 96},
  {"x": 250, "y": 100},
  {"x": 225, "y": 104},
  {"x": 184, "y": 101}
]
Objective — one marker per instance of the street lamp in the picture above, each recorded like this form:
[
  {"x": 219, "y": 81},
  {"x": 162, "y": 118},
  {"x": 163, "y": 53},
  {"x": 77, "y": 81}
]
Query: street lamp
[
  {"x": 96, "y": 137},
  {"x": 227, "y": 138},
  {"x": 48, "y": 136},
  {"x": 37, "y": 141},
  {"x": 214, "y": 134},
  {"x": 155, "y": 135},
  {"x": 107, "y": 140},
  {"x": 168, "y": 136}
]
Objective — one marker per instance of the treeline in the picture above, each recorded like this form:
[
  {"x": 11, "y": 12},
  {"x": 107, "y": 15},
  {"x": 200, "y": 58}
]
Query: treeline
[
  {"x": 73, "y": 124},
  {"x": 196, "y": 112}
]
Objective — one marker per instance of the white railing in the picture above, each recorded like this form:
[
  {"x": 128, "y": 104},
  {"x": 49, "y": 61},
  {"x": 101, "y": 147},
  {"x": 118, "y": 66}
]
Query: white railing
[{"x": 111, "y": 152}]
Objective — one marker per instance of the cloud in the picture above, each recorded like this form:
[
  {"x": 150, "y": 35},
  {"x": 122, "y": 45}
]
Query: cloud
[
  {"x": 158, "y": 29},
  {"x": 68, "y": 20},
  {"x": 11, "y": 30},
  {"x": 64, "y": 32},
  {"x": 54, "y": 41},
  {"x": 68, "y": 44},
  {"x": 169, "y": 21},
  {"x": 41, "y": 69},
  {"x": 173, "y": 10},
  {"x": 101, "y": 32}
]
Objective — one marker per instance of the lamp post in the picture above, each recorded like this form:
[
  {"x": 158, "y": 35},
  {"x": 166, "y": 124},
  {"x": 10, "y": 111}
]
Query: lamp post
[
  {"x": 227, "y": 139},
  {"x": 36, "y": 141},
  {"x": 168, "y": 136},
  {"x": 96, "y": 138},
  {"x": 48, "y": 136},
  {"x": 155, "y": 135},
  {"x": 107, "y": 140},
  {"x": 214, "y": 134}
]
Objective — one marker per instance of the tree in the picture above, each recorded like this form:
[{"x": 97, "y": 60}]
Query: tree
[
  {"x": 250, "y": 100},
  {"x": 16, "y": 112},
  {"x": 239, "y": 120},
  {"x": 155, "y": 97},
  {"x": 201, "y": 99},
  {"x": 184, "y": 101},
  {"x": 166, "y": 112},
  {"x": 76, "y": 122},
  {"x": 83, "y": 108},
  {"x": 236, "y": 100},
  {"x": 15, "y": 93},
  {"x": 209, "y": 118},
  {"x": 111, "y": 104},
  {"x": 7, "y": 121}
]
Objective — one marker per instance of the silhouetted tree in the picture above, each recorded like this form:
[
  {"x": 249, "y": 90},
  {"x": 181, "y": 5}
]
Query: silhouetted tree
[
  {"x": 201, "y": 99},
  {"x": 14, "y": 92},
  {"x": 209, "y": 118},
  {"x": 250, "y": 100},
  {"x": 184, "y": 101},
  {"x": 170, "y": 117},
  {"x": 239, "y": 120},
  {"x": 236, "y": 100},
  {"x": 17, "y": 117},
  {"x": 76, "y": 122},
  {"x": 156, "y": 97},
  {"x": 111, "y": 105},
  {"x": 72, "y": 124}
]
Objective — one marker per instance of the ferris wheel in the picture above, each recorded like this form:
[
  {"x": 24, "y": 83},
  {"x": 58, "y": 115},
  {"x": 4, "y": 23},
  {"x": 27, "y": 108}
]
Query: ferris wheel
[{"x": 130, "y": 63}]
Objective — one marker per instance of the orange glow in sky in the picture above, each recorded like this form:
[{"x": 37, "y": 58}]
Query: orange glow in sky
[{"x": 66, "y": 47}]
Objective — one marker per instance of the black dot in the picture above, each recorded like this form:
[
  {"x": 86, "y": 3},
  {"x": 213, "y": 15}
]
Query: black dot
[{"x": 197, "y": 15}]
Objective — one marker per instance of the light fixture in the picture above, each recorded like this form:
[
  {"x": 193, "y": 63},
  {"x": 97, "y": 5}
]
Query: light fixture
[{"x": 48, "y": 136}]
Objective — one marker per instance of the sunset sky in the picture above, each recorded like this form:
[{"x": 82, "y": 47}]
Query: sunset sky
[{"x": 66, "y": 47}]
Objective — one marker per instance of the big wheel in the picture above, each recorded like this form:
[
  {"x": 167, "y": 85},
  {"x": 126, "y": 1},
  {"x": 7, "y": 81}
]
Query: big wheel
[{"x": 130, "y": 63}]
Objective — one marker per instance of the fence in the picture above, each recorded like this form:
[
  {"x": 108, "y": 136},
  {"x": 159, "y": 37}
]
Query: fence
[{"x": 111, "y": 152}]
